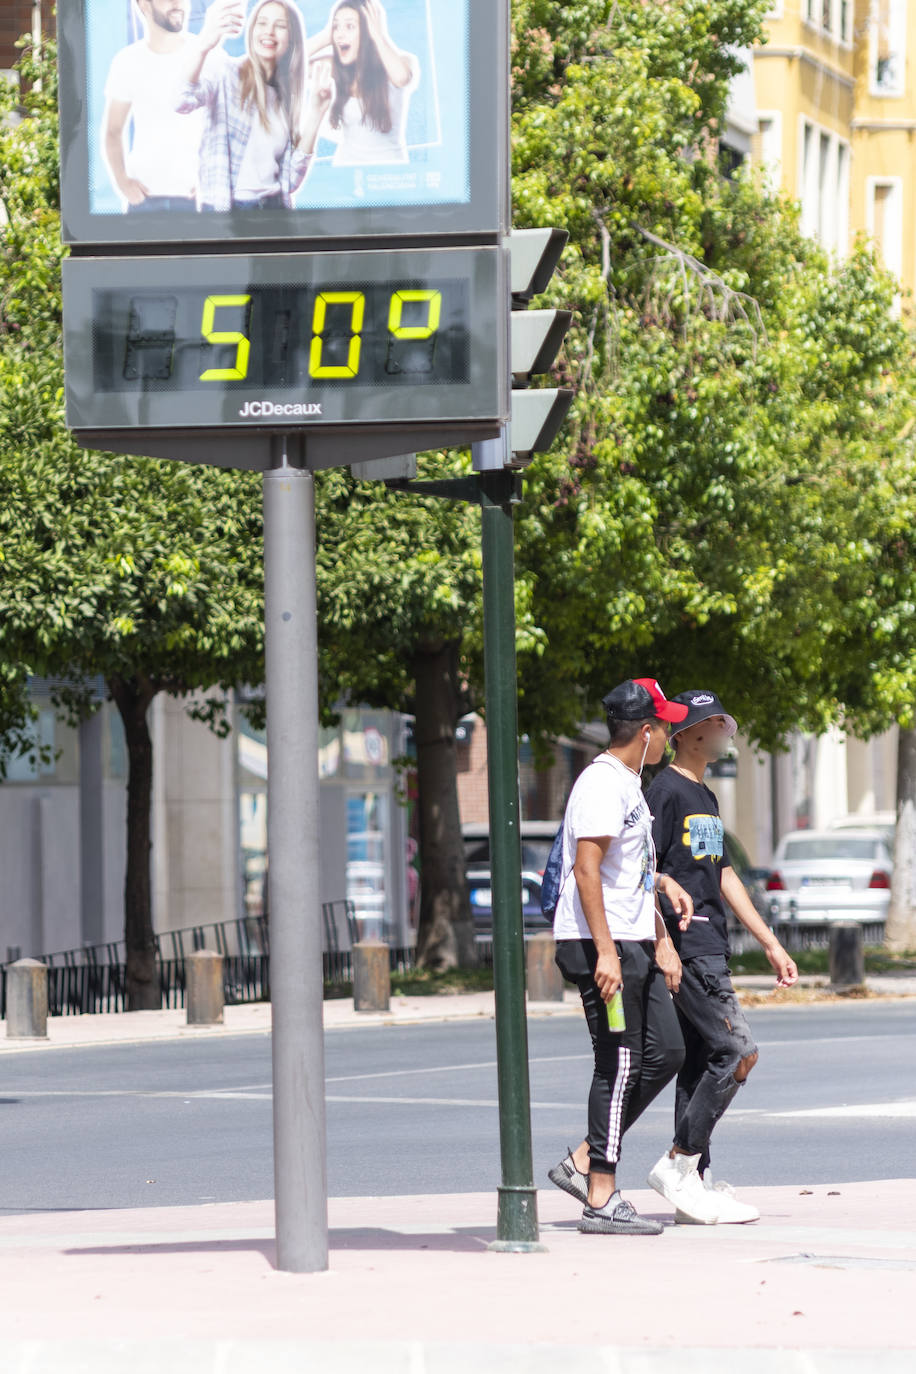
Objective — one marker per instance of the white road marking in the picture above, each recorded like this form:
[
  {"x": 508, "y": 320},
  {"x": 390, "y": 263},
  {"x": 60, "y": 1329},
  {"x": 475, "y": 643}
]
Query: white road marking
[
  {"x": 821, "y": 1040},
  {"x": 452, "y": 1068},
  {"x": 226, "y": 1095},
  {"x": 184, "y": 1095},
  {"x": 848, "y": 1111},
  {"x": 452, "y": 1102},
  {"x": 863, "y": 1109}
]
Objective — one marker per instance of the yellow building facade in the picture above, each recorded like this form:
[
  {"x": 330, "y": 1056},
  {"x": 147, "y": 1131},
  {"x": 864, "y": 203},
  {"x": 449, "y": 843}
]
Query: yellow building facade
[{"x": 836, "y": 106}]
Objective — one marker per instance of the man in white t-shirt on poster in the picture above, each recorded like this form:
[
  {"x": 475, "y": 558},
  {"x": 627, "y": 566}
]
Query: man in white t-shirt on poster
[
  {"x": 150, "y": 150},
  {"x": 611, "y": 939}
]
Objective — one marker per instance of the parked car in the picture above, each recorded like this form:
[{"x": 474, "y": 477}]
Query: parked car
[
  {"x": 754, "y": 879},
  {"x": 536, "y": 838},
  {"x": 824, "y": 875},
  {"x": 885, "y": 821}
]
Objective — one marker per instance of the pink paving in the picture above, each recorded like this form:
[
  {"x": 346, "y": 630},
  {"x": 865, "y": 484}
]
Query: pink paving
[{"x": 417, "y": 1269}]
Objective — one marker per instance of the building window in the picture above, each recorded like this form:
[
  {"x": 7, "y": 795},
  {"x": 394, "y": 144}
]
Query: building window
[
  {"x": 846, "y": 21},
  {"x": 884, "y": 220},
  {"x": 831, "y": 17},
  {"x": 826, "y": 203},
  {"x": 731, "y": 160},
  {"x": 31, "y": 767},
  {"x": 824, "y": 187},
  {"x": 888, "y": 47},
  {"x": 768, "y": 145},
  {"x": 842, "y": 199}
]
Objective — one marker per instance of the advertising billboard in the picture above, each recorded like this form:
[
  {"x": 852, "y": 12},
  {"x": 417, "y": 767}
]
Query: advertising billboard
[{"x": 209, "y": 120}]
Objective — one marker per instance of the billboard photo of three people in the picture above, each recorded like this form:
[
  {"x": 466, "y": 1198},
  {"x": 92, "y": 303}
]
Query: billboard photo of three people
[{"x": 216, "y": 108}]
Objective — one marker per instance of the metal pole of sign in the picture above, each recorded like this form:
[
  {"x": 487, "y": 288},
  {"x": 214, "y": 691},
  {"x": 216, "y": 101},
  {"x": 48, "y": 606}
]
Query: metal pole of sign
[
  {"x": 517, "y": 1222},
  {"x": 290, "y": 622}
]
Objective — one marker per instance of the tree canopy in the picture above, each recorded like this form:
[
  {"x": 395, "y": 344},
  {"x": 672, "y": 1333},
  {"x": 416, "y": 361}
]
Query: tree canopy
[
  {"x": 733, "y": 497},
  {"x": 144, "y": 572}
]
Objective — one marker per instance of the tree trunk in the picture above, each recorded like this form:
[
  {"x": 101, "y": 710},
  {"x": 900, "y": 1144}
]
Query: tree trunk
[
  {"x": 133, "y": 699},
  {"x": 900, "y": 932},
  {"x": 445, "y": 938}
]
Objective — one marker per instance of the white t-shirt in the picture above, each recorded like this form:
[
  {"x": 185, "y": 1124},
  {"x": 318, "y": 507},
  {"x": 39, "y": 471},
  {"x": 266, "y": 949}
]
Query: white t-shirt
[
  {"x": 358, "y": 144},
  {"x": 160, "y": 145},
  {"x": 259, "y": 174},
  {"x": 607, "y": 799}
]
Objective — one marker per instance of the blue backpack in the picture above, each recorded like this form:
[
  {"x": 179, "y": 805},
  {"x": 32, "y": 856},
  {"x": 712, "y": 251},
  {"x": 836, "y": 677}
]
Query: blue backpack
[{"x": 552, "y": 881}]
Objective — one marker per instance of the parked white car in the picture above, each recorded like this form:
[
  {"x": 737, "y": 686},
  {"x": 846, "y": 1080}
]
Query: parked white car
[
  {"x": 885, "y": 821},
  {"x": 825, "y": 875}
]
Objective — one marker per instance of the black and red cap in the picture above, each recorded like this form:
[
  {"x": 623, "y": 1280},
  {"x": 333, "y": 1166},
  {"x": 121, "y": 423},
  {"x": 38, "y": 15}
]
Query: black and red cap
[{"x": 641, "y": 698}]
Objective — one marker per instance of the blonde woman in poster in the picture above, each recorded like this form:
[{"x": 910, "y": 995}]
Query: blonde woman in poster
[
  {"x": 261, "y": 126},
  {"x": 373, "y": 82}
]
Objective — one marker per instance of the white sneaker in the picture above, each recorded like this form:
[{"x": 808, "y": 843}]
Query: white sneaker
[
  {"x": 678, "y": 1181},
  {"x": 730, "y": 1209}
]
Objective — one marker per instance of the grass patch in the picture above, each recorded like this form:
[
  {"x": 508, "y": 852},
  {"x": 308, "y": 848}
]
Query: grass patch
[
  {"x": 421, "y": 982},
  {"x": 880, "y": 960},
  {"x": 877, "y": 960},
  {"x": 755, "y": 961},
  {"x": 337, "y": 992}
]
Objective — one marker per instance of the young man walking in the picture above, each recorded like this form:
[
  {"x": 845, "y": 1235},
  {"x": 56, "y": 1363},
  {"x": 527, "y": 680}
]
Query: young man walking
[
  {"x": 610, "y": 939},
  {"x": 719, "y": 1049},
  {"x": 152, "y": 151}
]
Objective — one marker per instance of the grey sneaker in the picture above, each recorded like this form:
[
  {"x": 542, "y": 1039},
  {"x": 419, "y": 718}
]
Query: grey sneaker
[
  {"x": 618, "y": 1218},
  {"x": 565, "y": 1175}
]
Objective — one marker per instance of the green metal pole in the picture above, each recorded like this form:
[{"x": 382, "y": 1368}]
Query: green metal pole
[{"x": 517, "y": 1221}]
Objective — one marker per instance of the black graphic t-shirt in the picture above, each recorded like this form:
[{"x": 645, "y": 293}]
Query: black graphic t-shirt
[{"x": 690, "y": 843}]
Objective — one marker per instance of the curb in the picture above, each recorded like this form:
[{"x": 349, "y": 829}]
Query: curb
[
  {"x": 417, "y": 1357},
  {"x": 441, "y": 1011}
]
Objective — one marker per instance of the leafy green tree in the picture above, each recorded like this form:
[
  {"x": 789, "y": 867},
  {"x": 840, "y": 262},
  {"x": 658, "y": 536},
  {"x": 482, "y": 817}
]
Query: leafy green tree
[
  {"x": 733, "y": 492},
  {"x": 741, "y": 502},
  {"x": 735, "y": 465},
  {"x": 146, "y": 573},
  {"x": 399, "y": 584}
]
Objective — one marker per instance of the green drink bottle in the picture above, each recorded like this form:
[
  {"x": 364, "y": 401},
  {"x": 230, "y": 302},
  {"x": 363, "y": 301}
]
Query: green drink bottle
[{"x": 616, "y": 1021}]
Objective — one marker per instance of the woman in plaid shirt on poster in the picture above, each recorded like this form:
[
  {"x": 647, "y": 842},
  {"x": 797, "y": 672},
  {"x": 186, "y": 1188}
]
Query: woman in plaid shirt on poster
[{"x": 260, "y": 133}]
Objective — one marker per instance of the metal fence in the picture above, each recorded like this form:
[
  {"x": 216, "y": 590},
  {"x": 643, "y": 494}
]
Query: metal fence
[
  {"x": 801, "y": 935},
  {"x": 796, "y": 936},
  {"x": 93, "y": 978}
]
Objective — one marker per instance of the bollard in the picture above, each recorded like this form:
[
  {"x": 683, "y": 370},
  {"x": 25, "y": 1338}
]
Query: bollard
[
  {"x": 204, "y": 993},
  {"x": 847, "y": 957},
  {"x": 27, "y": 1000},
  {"x": 371, "y": 976},
  {"x": 545, "y": 981}
]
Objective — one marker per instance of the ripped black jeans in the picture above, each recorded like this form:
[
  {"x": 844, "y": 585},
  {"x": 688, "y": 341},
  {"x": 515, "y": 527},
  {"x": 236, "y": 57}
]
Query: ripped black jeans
[{"x": 716, "y": 1039}]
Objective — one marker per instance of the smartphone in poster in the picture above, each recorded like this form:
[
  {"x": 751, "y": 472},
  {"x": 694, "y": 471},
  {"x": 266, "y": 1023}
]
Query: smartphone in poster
[{"x": 197, "y": 117}]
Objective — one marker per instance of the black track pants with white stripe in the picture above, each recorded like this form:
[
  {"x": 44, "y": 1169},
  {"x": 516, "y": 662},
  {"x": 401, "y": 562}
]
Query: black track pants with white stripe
[{"x": 631, "y": 1066}]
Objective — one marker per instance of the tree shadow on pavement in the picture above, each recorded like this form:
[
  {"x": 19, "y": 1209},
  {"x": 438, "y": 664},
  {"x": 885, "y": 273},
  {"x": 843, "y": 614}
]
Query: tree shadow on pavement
[
  {"x": 215, "y": 1246},
  {"x": 369, "y": 1238},
  {"x": 460, "y": 1240}
]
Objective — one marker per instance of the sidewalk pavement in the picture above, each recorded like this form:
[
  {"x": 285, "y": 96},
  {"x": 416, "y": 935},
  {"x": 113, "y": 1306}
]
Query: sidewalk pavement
[
  {"x": 822, "y": 1284},
  {"x": 126, "y": 1028},
  {"x": 134, "y": 1027}
]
